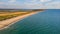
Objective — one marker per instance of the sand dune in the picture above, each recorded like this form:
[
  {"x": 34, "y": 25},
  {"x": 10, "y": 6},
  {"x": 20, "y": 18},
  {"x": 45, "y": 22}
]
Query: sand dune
[{"x": 6, "y": 23}]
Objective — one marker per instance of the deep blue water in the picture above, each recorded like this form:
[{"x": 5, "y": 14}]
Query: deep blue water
[{"x": 47, "y": 22}]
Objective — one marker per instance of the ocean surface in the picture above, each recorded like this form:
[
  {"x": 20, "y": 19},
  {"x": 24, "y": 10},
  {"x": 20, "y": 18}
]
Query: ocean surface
[{"x": 47, "y": 22}]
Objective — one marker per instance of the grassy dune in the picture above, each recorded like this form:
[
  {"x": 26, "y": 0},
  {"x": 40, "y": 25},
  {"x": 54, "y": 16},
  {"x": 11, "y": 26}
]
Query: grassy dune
[{"x": 8, "y": 15}]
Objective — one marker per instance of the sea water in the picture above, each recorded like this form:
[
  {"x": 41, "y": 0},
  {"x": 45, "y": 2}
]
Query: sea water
[{"x": 47, "y": 22}]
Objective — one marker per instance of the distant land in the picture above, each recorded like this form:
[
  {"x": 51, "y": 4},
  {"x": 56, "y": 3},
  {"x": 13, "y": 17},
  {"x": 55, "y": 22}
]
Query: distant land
[{"x": 21, "y": 10}]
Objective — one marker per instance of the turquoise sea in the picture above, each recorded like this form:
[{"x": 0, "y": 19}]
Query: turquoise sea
[{"x": 47, "y": 22}]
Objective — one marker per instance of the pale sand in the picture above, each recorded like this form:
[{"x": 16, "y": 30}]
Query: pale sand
[{"x": 6, "y": 23}]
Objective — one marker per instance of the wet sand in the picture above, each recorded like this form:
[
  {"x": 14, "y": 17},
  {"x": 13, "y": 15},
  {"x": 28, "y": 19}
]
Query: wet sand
[{"x": 6, "y": 23}]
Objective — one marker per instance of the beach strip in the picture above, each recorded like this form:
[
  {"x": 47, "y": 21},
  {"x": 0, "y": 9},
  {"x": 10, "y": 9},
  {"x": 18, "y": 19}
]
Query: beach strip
[{"x": 6, "y": 23}]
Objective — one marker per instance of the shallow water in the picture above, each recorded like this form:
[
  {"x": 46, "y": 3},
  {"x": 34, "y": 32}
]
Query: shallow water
[{"x": 47, "y": 22}]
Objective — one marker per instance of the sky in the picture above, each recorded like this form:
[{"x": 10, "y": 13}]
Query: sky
[{"x": 30, "y": 4}]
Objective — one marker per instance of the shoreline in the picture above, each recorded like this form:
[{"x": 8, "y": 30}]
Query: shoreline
[{"x": 6, "y": 23}]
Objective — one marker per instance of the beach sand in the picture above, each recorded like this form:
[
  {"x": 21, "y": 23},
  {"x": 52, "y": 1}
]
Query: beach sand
[{"x": 6, "y": 23}]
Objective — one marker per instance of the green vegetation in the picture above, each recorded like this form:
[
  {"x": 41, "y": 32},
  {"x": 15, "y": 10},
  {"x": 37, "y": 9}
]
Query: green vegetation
[
  {"x": 4, "y": 15},
  {"x": 7, "y": 14}
]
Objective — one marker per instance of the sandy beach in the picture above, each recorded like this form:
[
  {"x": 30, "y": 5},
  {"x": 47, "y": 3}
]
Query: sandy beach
[{"x": 6, "y": 23}]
